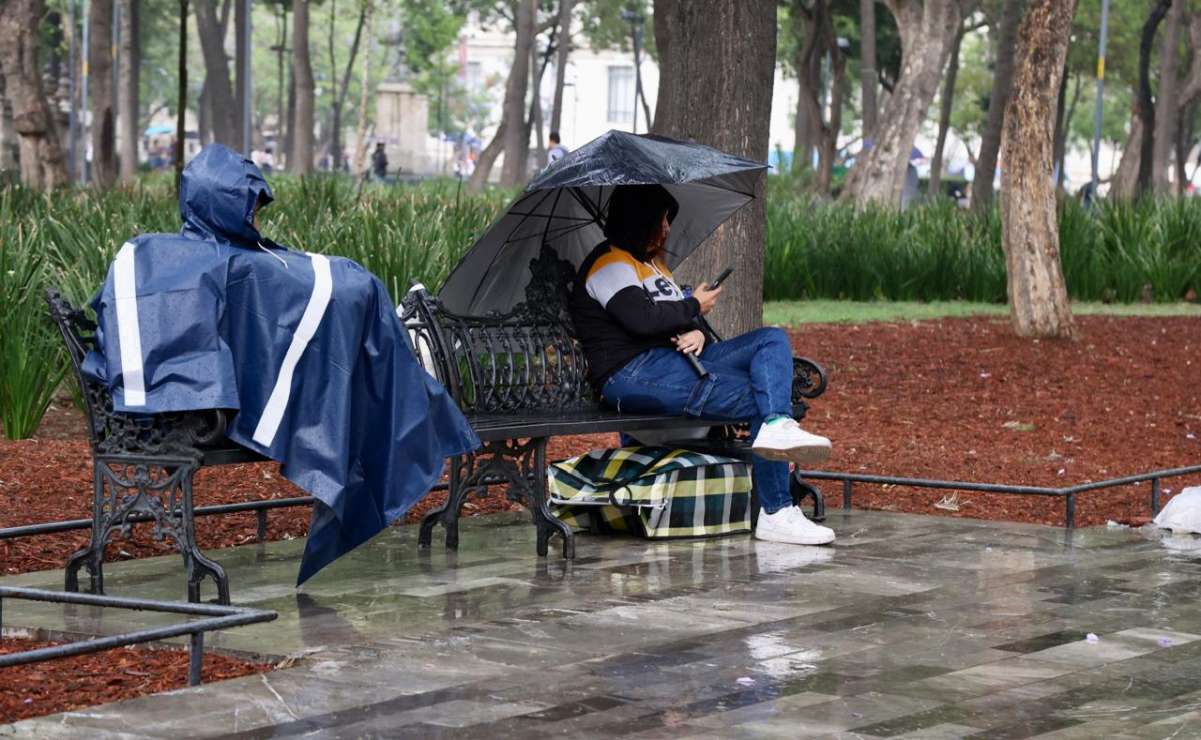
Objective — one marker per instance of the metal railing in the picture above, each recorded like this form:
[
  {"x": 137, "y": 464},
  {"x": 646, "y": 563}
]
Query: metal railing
[
  {"x": 214, "y": 617},
  {"x": 1067, "y": 493},
  {"x": 259, "y": 507}
]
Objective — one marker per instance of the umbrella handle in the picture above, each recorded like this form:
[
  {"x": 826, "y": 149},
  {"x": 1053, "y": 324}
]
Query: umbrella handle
[{"x": 701, "y": 372}]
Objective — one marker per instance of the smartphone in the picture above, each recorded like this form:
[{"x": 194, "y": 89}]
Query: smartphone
[{"x": 721, "y": 278}]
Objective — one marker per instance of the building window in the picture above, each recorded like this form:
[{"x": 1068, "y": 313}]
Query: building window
[
  {"x": 475, "y": 77},
  {"x": 621, "y": 95}
]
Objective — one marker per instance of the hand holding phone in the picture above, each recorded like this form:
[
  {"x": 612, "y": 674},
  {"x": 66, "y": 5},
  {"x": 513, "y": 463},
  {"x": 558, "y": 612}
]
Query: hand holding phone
[{"x": 721, "y": 278}]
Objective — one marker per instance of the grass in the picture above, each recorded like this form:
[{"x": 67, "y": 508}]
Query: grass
[{"x": 791, "y": 313}]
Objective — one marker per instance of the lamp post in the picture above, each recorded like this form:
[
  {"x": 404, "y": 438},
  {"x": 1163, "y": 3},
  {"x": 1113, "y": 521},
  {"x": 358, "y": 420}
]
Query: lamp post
[{"x": 636, "y": 21}]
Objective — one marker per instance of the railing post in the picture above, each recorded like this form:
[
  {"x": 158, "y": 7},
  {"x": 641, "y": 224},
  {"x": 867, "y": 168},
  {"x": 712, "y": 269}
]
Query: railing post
[
  {"x": 1069, "y": 521},
  {"x": 1155, "y": 488},
  {"x": 195, "y": 658},
  {"x": 261, "y": 535},
  {"x": 846, "y": 494}
]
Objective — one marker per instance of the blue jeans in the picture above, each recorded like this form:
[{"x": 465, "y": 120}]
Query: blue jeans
[{"x": 750, "y": 379}]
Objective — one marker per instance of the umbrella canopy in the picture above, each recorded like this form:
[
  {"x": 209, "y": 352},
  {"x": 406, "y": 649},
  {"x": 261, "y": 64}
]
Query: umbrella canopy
[{"x": 565, "y": 208}]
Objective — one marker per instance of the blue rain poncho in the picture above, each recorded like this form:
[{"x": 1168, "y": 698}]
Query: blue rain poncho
[{"x": 307, "y": 348}]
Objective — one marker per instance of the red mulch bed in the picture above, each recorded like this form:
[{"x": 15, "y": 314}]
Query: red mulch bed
[
  {"x": 99, "y": 678},
  {"x": 965, "y": 399}
]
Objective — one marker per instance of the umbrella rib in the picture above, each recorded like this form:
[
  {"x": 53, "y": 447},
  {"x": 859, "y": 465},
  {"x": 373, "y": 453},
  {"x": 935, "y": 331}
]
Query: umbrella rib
[
  {"x": 558, "y": 194},
  {"x": 480, "y": 286}
]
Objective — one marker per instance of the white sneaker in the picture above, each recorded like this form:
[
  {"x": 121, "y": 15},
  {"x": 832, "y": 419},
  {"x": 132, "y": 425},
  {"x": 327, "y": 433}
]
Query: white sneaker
[
  {"x": 785, "y": 440},
  {"x": 790, "y": 525}
]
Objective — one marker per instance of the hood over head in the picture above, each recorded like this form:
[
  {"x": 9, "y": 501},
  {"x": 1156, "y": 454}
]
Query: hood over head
[
  {"x": 218, "y": 194},
  {"x": 635, "y": 214}
]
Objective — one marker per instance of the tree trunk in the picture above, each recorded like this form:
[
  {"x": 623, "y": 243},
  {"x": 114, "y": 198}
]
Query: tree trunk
[
  {"x": 1166, "y": 109},
  {"x": 8, "y": 134},
  {"x": 808, "y": 31},
  {"x": 818, "y": 42},
  {"x": 990, "y": 138},
  {"x": 1059, "y": 143},
  {"x": 131, "y": 70},
  {"x": 1038, "y": 297},
  {"x": 1144, "y": 104},
  {"x": 181, "y": 103},
  {"x": 927, "y": 31},
  {"x": 564, "y": 36},
  {"x": 487, "y": 158},
  {"x": 664, "y": 11},
  {"x": 344, "y": 87},
  {"x": 535, "y": 121},
  {"x": 43, "y": 165},
  {"x": 944, "y": 116},
  {"x": 1185, "y": 136},
  {"x": 721, "y": 57},
  {"x": 222, "y": 107},
  {"x": 1124, "y": 183},
  {"x": 282, "y": 103},
  {"x": 301, "y": 161},
  {"x": 241, "y": 79},
  {"x": 101, "y": 92},
  {"x": 360, "y": 138},
  {"x": 517, "y": 134},
  {"x": 867, "y": 64}
]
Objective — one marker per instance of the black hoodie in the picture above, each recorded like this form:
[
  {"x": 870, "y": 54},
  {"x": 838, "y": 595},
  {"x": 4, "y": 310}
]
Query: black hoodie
[{"x": 623, "y": 304}]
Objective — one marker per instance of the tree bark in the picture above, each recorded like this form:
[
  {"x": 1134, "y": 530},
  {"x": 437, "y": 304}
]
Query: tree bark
[
  {"x": 282, "y": 102},
  {"x": 487, "y": 158},
  {"x": 1124, "y": 183},
  {"x": 819, "y": 41},
  {"x": 101, "y": 92},
  {"x": 517, "y": 135},
  {"x": 664, "y": 11},
  {"x": 990, "y": 138},
  {"x": 1185, "y": 136},
  {"x": 1038, "y": 297},
  {"x": 131, "y": 71},
  {"x": 181, "y": 103},
  {"x": 301, "y": 161},
  {"x": 1167, "y": 111},
  {"x": 867, "y": 64},
  {"x": 8, "y": 133},
  {"x": 223, "y": 109},
  {"x": 1059, "y": 143},
  {"x": 944, "y": 116},
  {"x": 1144, "y": 104},
  {"x": 564, "y": 36},
  {"x": 926, "y": 30},
  {"x": 360, "y": 139},
  {"x": 42, "y": 163},
  {"x": 339, "y": 103},
  {"x": 721, "y": 58},
  {"x": 1062, "y": 122},
  {"x": 808, "y": 34}
]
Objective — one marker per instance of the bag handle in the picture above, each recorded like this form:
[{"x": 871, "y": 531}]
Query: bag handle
[{"x": 613, "y": 485}]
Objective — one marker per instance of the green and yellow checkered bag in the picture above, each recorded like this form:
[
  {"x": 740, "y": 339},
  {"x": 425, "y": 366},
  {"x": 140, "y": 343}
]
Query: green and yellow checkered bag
[{"x": 654, "y": 492}]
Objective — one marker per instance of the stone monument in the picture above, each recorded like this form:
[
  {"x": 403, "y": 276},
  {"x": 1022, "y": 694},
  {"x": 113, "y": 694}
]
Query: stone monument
[{"x": 402, "y": 119}]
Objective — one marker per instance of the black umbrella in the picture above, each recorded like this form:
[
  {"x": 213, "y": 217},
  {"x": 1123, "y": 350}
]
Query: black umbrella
[{"x": 565, "y": 207}]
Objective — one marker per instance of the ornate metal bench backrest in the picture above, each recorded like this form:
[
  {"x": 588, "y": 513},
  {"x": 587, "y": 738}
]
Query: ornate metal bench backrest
[
  {"x": 114, "y": 433},
  {"x": 524, "y": 360}
]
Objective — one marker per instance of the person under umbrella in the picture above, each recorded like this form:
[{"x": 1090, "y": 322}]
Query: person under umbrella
[{"x": 636, "y": 325}]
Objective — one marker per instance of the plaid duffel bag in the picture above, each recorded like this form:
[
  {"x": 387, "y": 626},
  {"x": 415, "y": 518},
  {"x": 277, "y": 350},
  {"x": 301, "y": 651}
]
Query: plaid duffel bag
[{"x": 653, "y": 492}]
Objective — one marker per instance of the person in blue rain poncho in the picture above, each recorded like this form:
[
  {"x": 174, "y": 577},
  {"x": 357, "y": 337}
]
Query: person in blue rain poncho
[{"x": 306, "y": 348}]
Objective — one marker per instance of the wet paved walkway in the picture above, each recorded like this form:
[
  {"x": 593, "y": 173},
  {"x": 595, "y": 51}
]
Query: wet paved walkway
[{"x": 908, "y": 627}]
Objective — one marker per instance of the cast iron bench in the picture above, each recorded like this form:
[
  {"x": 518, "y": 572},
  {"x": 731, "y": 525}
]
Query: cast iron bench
[
  {"x": 521, "y": 378},
  {"x": 143, "y": 466}
]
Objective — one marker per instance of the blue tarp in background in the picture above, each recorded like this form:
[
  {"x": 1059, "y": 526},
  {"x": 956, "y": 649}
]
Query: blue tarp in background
[{"x": 307, "y": 348}]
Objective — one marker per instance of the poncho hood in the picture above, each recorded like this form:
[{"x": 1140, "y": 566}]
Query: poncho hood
[{"x": 218, "y": 194}]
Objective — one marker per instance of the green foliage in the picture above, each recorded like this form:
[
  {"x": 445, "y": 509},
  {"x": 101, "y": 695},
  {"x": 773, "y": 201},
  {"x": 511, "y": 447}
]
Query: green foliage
[
  {"x": 973, "y": 86},
  {"x": 940, "y": 252}
]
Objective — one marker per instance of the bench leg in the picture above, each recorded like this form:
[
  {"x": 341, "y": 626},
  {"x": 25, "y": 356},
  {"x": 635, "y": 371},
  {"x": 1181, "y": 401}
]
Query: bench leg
[
  {"x": 195, "y": 563},
  {"x": 448, "y": 513},
  {"x": 545, "y": 522},
  {"x": 802, "y": 489},
  {"x": 91, "y": 556}
]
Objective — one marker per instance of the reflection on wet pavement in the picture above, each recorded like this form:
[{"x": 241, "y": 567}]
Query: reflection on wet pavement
[{"x": 908, "y": 627}]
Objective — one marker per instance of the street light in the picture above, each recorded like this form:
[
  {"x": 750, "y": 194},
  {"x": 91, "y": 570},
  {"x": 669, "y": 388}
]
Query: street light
[{"x": 636, "y": 21}]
